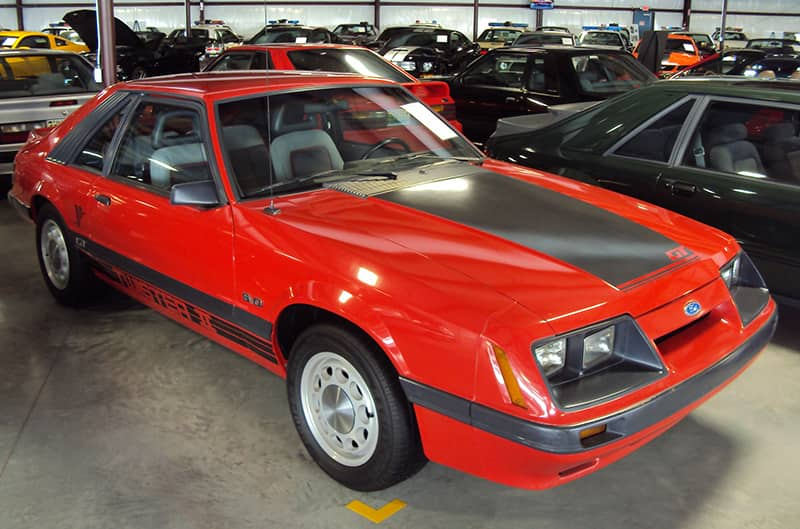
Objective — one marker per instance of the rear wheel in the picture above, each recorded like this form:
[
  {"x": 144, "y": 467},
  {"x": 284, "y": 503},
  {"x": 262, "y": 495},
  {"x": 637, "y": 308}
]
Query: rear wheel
[
  {"x": 64, "y": 269},
  {"x": 350, "y": 411}
]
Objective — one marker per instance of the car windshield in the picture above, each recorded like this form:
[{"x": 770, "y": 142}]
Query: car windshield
[
  {"x": 679, "y": 46},
  {"x": 38, "y": 75},
  {"x": 542, "y": 38},
  {"x": 609, "y": 74},
  {"x": 305, "y": 139},
  {"x": 269, "y": 35},
  {"x": 602, "y": 39},
  {"x": 416, "y": 38},
  {"x": 783, "y": 45},
  {"x": 359, "y": 61},
  {"x": 351, "y": 29},
  {"x": 498, "y": 35}
]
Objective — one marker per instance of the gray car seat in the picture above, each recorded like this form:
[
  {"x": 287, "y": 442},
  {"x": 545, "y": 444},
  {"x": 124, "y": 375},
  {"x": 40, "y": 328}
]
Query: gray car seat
[
  {"x": 248, "y": 156},
  {"x": 730, "y": 151},
  {"x": 303, "y": 153}
]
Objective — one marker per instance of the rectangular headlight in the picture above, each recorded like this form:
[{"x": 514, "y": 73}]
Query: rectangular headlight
[
  {"x": 730, "y": 272},
  {"x": 598, "y": 347},
  {"x": 551, "y": 356},
  {"x": 408, "y": 66}
]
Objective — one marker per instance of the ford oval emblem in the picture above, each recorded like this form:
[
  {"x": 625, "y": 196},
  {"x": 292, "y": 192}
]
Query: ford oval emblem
[{"x": 692, "y": 308}]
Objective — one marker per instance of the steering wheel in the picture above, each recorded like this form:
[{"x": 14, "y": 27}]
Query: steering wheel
[{"x": 383, "y": 143}]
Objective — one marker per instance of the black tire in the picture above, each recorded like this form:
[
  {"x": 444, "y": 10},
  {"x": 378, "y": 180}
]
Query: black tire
[
  {"x": 397, "y": 452},
  {"x": 78, "y": 284}
]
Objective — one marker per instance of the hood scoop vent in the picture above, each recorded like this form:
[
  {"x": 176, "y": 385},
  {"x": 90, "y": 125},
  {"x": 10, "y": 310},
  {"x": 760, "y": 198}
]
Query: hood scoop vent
[{"x": 418, "y": 178}]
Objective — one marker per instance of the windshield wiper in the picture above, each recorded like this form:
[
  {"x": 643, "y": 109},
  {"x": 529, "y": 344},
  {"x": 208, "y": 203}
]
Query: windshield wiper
[
  {"x": 415, "y": 155},
  {"x": 327, "y": 177}
]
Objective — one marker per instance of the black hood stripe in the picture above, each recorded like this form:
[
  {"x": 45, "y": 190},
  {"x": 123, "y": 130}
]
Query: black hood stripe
[{"x": 613, "y": 248}]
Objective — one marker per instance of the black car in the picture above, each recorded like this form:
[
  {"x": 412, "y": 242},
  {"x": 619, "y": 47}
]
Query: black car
[
  {"x": 513, "y": 81},
  {"x": 723, "y": 151},
  {"x": 772, "y": 66},
  {"x": 135, "y": 58},
  {"x": 291, "y": 31},
  {"x": 355, "y": 33},
  {"x": 425, "y": 51}
]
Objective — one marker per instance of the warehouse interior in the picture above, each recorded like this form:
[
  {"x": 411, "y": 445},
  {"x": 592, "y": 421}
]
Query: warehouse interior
[{"x": 115, "y": 416}]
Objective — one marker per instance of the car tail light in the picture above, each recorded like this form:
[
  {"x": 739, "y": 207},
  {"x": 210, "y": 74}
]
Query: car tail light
[
  {"x": 65, "y": 103},
  {"x": 18, "y": 132}
]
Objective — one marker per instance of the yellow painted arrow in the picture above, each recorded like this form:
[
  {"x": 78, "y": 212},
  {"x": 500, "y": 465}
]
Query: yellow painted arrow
[{"x": 376, "y": 515}]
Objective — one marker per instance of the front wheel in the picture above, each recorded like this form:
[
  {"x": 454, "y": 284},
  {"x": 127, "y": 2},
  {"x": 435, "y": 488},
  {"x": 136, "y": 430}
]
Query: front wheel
[{"x": 350, "y": 411}]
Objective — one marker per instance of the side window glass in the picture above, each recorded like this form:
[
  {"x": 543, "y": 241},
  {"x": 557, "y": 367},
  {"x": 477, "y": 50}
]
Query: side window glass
[
  {"x": 97, "y": 148},
  {"x": 162, "y": 146},
  {"x": 755, "y": 141},
  {"x": 537, "y": 81},
  {"x": 35, "y": 42},
  {"x": 504, "y": 70},
  {"x": 60, "y": 42},
  {"x": 655, "y": 143},
  {"x": 235, "y": 61}
]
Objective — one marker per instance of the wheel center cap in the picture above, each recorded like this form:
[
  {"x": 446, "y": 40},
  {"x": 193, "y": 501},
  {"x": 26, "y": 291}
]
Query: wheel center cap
[{"x": 337, "y": 409}]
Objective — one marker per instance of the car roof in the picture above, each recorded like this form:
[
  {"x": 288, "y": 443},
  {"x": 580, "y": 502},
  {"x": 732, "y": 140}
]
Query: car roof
[
  {"x": 226, "y": 84},
  {"x": 561, "y": 48},
  {"x": 293, "y": 46},
  {"x": 17, "y": 33},
  {"x": 784, "y": 90},
  {"x": 34, "y": 51}
]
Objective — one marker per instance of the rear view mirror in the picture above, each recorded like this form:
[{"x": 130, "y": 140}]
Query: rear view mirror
[{"x": 202, "y": 193}]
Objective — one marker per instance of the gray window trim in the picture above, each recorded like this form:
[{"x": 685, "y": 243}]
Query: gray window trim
[
  {"x": 611, "y": 151},
  {"x": 206, "y": 140}
]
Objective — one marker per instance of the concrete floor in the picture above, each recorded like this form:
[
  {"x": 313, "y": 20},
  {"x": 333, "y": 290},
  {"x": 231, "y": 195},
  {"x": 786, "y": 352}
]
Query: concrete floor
[{"x": 115, "y": 417}]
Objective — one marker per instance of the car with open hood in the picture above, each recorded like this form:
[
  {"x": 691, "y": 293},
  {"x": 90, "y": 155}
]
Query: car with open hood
[
  {"x": 421, "y": 300},
  {"x": 723, "y": 151},
  {"x": 135, "y": 58}
]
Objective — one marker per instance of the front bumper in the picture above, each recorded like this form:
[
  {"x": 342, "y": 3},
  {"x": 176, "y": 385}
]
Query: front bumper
[{"x": 534, "y": 455}]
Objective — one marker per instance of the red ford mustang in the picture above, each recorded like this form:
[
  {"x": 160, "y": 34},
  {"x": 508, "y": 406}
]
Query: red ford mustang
[{"x": 421, "y": 300}]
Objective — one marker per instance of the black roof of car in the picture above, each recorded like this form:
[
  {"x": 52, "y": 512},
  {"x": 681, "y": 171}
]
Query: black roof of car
[{"x": 560, "y": 48}]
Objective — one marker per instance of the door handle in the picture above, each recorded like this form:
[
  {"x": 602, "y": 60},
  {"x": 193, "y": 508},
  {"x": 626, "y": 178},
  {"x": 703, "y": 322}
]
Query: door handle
[
  {"x": 103, "y": 199},
  {"x": 678, "y": 188}
]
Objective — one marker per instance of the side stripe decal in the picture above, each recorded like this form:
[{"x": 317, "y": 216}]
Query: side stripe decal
[{"x": 228, "y": 321}]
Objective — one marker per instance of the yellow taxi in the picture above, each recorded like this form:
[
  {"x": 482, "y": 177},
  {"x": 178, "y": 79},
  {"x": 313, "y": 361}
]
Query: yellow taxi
[{"x": 33, "y": 39}]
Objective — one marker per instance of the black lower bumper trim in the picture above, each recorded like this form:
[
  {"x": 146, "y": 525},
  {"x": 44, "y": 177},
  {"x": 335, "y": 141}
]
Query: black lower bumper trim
[
  {"x": 18, "y": 206},
  {"x": 566, "y": 440}
]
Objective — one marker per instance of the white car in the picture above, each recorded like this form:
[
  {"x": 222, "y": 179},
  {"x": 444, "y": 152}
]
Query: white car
[{"x": 38, "y": 89}]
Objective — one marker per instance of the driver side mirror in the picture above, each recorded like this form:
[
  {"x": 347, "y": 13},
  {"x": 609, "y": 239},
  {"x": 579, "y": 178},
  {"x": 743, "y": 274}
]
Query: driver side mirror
[{"x": 202, "y": 193}]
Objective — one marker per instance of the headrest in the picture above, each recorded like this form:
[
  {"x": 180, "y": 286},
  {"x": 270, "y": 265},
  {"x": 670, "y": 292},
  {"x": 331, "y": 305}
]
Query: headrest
[
  {"x": 241, "y": 137},
  {"x": 291, "y": 117},
  {"x": 726, "y": 134},
  {"x": 779, "y": 132},
  {"x": 167, "y": 130}
]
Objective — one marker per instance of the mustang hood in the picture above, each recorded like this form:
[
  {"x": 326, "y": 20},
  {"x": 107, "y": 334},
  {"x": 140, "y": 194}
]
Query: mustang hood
[
  {"x": 84, "y": 21},
  {"x": 519, "y": 238}
]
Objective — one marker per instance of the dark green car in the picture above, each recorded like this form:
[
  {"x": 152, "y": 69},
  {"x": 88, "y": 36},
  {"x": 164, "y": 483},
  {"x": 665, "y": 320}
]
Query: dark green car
[{"x": 723, "y": 151}]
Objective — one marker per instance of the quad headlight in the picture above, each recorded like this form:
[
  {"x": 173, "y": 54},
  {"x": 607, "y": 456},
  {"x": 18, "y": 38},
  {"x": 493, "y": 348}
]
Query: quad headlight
[
  {"x": 615, "y": 355},
  {"x": 551, "y": 356},
  {"x": 598, "y": 347}
]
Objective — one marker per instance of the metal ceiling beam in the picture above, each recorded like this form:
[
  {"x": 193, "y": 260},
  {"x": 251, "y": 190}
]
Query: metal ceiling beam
[
  {"x": 687, "y": 13},
  {"x": 20, "y": 18}
]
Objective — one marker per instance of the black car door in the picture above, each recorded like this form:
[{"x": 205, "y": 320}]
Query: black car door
[
  {"x": 490, "y": 88},
  {"x": 738, "y": 169}
]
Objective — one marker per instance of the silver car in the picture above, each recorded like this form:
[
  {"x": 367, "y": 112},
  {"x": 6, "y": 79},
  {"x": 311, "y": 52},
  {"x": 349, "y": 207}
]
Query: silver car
[{"x": 38, "y": 88}]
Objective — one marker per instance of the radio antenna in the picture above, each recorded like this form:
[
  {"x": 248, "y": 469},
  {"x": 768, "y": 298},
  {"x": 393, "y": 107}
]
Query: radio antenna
[{"x": 271, "y": 209}]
